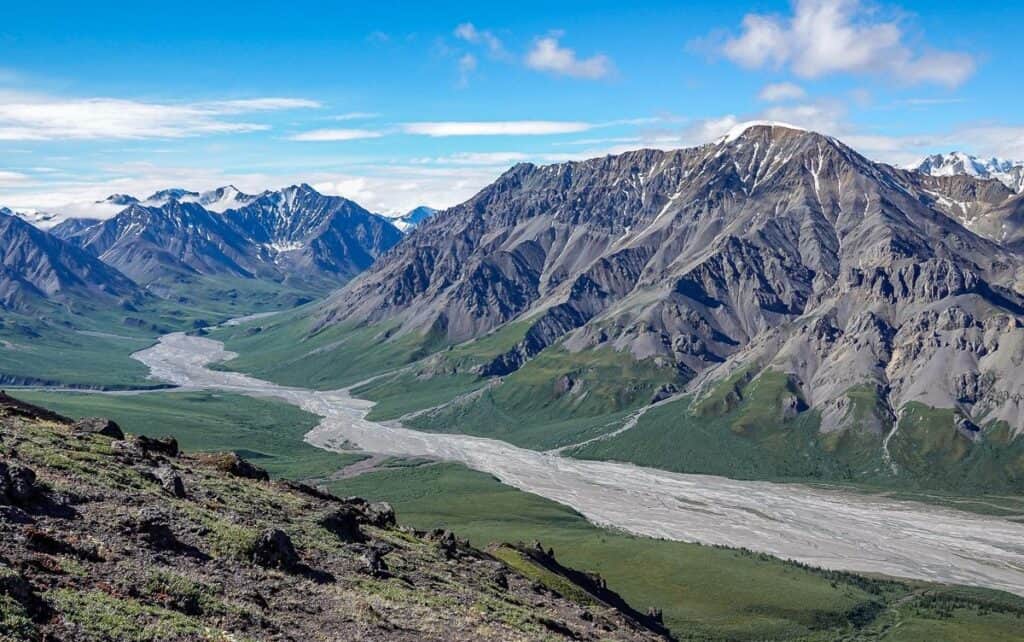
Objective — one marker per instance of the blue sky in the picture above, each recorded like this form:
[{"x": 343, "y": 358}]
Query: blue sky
[{"x": 396, "y": 104}]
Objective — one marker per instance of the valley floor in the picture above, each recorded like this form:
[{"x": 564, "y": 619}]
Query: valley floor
[{"x": 824, "y": 528}]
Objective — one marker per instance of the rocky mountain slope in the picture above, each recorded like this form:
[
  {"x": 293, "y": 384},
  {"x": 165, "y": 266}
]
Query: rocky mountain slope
[
  {"x": 775, "y": 254},
  {"x": 107, "y": 537},
  {"x": 36, "y": 267},
  {"x": 1006, "y": 172}
]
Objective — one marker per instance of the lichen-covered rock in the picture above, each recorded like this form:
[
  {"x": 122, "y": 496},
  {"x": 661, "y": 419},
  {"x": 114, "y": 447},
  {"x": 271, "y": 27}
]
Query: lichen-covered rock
[
  {"x": 380, "y": 514},
  {"x": 99, "y": 426},
  {"x": 374, "y": 564},
  {"x": 232, "y": 464},
  {"x": 170, "y": 481}
]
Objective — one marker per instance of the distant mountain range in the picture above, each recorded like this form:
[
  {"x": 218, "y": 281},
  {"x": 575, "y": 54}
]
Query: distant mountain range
[
  {"x": 292, "y": 234},
  {"x": 1009, "y": 173},
  {"x": 176, "y": 238}
]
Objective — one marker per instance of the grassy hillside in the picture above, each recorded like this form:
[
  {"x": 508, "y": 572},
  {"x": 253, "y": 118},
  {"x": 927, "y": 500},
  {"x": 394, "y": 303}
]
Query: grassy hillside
[
  {"x": 128, "y": 540},
  {"x": 269, "y": 433},
  {"x": 739, "y": 430},
  {"x": 92, "y": 348}
]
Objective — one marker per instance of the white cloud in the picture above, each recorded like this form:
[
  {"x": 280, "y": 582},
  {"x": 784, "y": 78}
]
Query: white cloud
[
  {"x": 12, "y": 178},
  {"x": 823, "y": 37},
  {"x": 495, "y": 128},
  {"x": 328, "y": 135},
  {"x": 258, "y": 104},
  {"x": 782, "y": 91},
  {"x": 468, "y": 32},
  {"x": 30, "y": 117},
  {"x": 548, "y": 55},
  {"x": 356, "y": 115},
  {"x": 476, "y": 158}
]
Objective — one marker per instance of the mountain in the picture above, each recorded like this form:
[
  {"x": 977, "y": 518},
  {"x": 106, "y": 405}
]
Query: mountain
[
  {"x": 1009, "y": 173},
  {"x": 72, "y": 226},
  {"x": 159, "y": 243},
  {"x": 294, "y": 235},
  {"x": 113, "y": 537},
  {"x": 413, "y": 217},
  {"x": 37, "y": 269},
  {"x": 313, "y": 235},
  {"x": 775, "y": 273},
  {"x": 120, "y": 199}
]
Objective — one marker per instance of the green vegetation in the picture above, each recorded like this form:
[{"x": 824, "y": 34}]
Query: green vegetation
[
  {"x": 929, "y": 447},
  {"x": 102, "y": 616},
  {"x": 706, "y": 593},
  {"x": 283, "y": 349},
  {"x": 556, "y": 399},
  {"x": 747, "y": 428},
  {"x": 270, "y": 433},
  {"x": 77, "y": 346}
]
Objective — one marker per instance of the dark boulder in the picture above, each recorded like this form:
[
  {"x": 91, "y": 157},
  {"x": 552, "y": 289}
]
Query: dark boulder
[
  {"x": 343, "y": 523},
  {"x": 167, "y": 446},
  {"x": 445, "y": 541},
  {"x": 154, "y": 526},
  {"x": 664, "y": 392},
  {"x": 17, "y": 484},
  {"x": 274, "y": 549},
  {"x": 98, "y": 426}
]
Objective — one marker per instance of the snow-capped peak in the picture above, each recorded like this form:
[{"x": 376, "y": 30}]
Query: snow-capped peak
[
  {"x": 406, "y": 222},
  {"x": 1010, "y": 173},
  {"x": 738, "y": 130},
  {"x": 224, "y": 198}
]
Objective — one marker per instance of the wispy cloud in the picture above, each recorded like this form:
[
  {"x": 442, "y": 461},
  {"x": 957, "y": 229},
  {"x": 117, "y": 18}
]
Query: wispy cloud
[
  {"x": 326, "y": 135},
  {"x": 824, "y": 37},
  {"x": 356, "y": 115},
  {"x": 496, "y": 128},
  {"x": 467, "y": 65},
  {"x": 12, "y": 178},
  {"x": 779, "y": 92},
  {"x": 549, "y": 56},
  {"x": 468, "y": 32},
  {"x": 30, "y": 117}
]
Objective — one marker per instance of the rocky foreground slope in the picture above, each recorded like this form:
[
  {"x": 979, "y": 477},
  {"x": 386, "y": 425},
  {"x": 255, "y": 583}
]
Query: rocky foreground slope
[{"x": 107, "y": 537}]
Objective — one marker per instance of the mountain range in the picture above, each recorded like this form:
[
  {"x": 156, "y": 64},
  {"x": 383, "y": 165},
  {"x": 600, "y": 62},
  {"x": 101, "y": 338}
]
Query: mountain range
[
  {"x": 175, "y": 238},
  {"x": 769, "y": 280},
  {"x": 774, "y": 264}
]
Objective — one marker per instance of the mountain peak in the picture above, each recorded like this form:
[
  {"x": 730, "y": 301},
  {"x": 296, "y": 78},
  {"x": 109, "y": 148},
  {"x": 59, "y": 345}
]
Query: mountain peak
[{"x": 760, "y": 128}]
